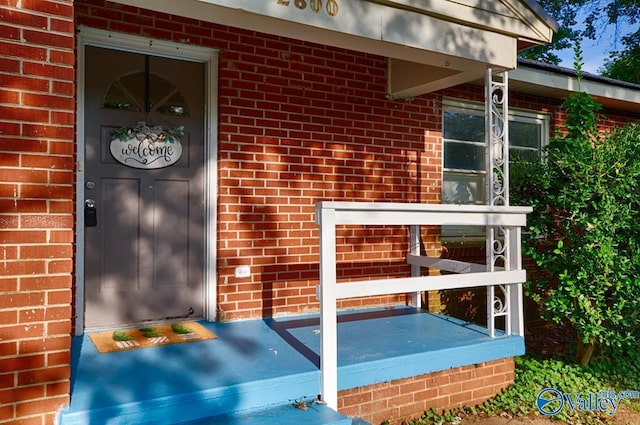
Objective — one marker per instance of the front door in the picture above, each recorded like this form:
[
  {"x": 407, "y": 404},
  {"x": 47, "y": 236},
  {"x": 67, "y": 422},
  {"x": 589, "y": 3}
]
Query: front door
[{"x": 144, "y": 222}]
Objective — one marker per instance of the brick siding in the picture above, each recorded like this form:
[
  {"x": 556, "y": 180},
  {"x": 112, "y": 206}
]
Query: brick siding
[
  {"x": 402, "y": 400},
  {"x": 301, "y": 123},
  {"x": 298, "y": 123},
  {"x": 37, "y": 116}
]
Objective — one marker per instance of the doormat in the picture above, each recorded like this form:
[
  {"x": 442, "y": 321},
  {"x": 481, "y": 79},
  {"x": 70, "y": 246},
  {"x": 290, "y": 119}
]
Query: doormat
[{"x": 150, "y": 336}]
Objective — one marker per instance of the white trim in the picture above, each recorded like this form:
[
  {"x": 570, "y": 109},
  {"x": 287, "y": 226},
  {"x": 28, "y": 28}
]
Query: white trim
[
  {"x": 331, "y": 214},
  {"x": 476, "y": 108},
  {"x": 144, "y": 45},
  {"x": 404, "y": 285},
  {"x": 520, "y": 114},
  {"x": 362, "y": 25},
  {"x": 557, "y": 84},
  {"x": 79, "y": 261},
  {"x": 111, "y": 40}
]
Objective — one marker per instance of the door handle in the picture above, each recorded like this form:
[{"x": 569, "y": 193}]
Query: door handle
[{"x": 90, "y": 213}]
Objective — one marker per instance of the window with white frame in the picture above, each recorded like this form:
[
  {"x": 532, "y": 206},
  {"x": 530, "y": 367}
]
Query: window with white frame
[{"x": 464, "y": 147}]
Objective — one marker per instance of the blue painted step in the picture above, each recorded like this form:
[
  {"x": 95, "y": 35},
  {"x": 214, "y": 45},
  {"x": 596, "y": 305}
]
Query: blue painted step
[{"x": 315, "y": 414}]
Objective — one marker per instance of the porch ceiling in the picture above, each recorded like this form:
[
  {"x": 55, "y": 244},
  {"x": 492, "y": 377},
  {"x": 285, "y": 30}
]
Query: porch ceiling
[{"x": 431, "y": 44}]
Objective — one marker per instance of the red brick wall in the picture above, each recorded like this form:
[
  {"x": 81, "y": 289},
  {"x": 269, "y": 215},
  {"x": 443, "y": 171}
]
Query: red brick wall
[
  {"x": 36, "y": 207},
  {"x": 406, "y": 399},
  {"x": 313, "y": 127},
  {"x": 300, "y": 123}
]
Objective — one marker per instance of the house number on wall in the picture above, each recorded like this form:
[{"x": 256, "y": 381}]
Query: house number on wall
[{"x": 315, "y": 5}]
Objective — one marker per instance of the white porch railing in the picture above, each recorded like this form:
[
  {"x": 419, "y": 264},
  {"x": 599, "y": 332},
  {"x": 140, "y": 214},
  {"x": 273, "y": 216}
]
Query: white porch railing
[{"x": 508, "y": 277}]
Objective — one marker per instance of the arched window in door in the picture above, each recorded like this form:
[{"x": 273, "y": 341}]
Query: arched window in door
[{"x": 145, "y": 92}]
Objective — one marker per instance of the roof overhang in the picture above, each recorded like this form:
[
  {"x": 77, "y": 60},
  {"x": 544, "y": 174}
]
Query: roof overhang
[
  {"x": 556, "y": 82},
  {"x": 431, "y": 44}
]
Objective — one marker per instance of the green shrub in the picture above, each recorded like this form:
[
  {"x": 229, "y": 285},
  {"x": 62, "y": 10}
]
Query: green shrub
[
  {"x": 584, "y": 233},
  {"x": 532, "y": 376}
]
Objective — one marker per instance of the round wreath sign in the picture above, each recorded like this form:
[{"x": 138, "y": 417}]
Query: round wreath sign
[{"x": 146, "y": 146}]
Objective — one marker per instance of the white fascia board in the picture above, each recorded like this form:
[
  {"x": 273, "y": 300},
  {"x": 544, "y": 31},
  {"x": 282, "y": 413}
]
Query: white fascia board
[
  {"x": 566, "y": 84},
  {"x": 544, "y": 79},
  {"x": 359, "y": 25}
]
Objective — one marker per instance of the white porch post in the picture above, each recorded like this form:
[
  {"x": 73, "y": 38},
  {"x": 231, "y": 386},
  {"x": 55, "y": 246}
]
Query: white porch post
[
  {"x": 497, "y": 137},
  {"x": 502, "y": 300},
  {"x": 516, "y": 313},
  {"x": 416, "y": 270},
  {"x": 328, "y": 309}
]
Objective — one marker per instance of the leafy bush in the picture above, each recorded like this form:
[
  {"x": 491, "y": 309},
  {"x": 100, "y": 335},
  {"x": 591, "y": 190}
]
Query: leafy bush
[
  {"x": 532, "y": 376},
  {"x": 585, "y": 229}
]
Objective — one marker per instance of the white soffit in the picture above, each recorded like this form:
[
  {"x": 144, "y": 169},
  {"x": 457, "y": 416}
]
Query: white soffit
[
  {"x": 511, "y": 17},
  {"x": 449, "y": 42}
]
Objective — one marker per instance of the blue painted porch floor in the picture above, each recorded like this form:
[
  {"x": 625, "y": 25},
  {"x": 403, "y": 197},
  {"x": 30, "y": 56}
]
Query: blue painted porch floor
[{"x": 267, "y": 363}]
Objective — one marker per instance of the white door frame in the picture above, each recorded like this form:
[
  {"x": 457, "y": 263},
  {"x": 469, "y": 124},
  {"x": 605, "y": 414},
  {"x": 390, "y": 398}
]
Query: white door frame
[{"x": 130, "y": 43}]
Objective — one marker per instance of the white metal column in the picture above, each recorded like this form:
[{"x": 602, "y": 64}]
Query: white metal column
[
  {"x": 498, "y": 250},
  {"x": 497, "y": 137}
]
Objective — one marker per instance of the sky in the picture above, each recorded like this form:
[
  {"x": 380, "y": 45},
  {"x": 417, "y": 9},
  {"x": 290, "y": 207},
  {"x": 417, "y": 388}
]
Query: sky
[
  {"x": 594, "y": 57},
  {"x": 595, "y": 52}
]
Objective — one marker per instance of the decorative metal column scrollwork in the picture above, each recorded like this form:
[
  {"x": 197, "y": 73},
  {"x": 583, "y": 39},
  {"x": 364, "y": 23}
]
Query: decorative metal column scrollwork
[
  {"x": 497, "y": 190},
  {"x": 497, "y": 138}
]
